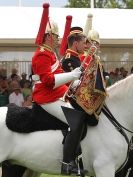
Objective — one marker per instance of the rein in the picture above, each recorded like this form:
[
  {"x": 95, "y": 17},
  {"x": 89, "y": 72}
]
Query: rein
[
  {"x": 113, "y": 120},
  {"x": 120, "y": 128},
  {"x": 105, "y": 108}
]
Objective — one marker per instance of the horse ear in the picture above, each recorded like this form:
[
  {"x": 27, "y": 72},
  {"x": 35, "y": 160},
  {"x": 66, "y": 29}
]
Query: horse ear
[{"x": 72, "y": 116}]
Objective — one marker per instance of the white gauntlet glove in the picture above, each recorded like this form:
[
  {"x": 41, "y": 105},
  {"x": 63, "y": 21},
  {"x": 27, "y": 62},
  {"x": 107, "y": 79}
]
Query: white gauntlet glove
[
  {"x": 35, "y": 77},
  {"x": 76, "y": 73},
  {"x": 63, "y": 78},
  {"x": 76, "y": 83}
]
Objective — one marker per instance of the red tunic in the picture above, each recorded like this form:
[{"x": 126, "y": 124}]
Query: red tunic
[{"x": 45, "y": 64}]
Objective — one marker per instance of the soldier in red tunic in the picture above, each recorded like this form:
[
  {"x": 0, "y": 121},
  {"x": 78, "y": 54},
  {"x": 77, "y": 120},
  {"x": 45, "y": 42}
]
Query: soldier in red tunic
[{"x": 50, "y": 86}]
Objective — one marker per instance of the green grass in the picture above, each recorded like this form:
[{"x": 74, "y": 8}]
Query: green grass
[{"x": 45, "y": 175}]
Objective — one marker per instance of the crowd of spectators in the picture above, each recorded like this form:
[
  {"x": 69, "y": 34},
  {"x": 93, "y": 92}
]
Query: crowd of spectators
[
  {"x": 117, "y": 74},
  {"x": 18, "y": 88},
  {"x": 15, "y": 88}
]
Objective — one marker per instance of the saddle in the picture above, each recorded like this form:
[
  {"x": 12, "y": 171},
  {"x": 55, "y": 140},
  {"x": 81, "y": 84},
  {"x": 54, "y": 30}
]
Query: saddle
[{"x": 26, "y": 120}]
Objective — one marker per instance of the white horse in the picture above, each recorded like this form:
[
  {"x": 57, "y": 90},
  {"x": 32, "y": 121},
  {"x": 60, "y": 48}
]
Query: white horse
[{"x": 104, "y": 148}]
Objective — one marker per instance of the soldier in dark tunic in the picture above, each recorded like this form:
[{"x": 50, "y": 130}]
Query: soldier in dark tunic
[
  {"x": 71, "y": 60},
  {"x": 76, "y": 46}
]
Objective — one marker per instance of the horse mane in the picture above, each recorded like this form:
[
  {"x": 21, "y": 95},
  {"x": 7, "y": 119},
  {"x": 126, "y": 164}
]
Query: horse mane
[{"x": 120, "y": 87}]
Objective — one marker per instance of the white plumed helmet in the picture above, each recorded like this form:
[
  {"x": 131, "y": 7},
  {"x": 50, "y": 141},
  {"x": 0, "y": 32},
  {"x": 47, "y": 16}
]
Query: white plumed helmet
[
  {"x": 93, "y": 35},
  {"x": 52, "y": 27},
  {"x": 88, "y": 25}
]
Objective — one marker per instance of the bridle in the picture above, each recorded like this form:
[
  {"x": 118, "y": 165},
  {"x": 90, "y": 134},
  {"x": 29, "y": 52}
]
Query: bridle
[
  {"x": 121, "y": 129},
  {"x": 110, "y": 116}
]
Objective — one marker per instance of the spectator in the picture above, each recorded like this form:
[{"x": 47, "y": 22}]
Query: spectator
[
  {"x": 26, "y": 90},
  {"x": 14, "y": 82},
  {"x": 3, "y": 72},
  {"x": 16, "y": 96},
  {"x": 23, "y": 80},
  {"x": 125, "y": 73},
  {"x": 122, "y": 70},
  {"x": 117, "y": 75},
  {"x": 3, "y": 86},
  {"x": 131, "y": 72},
  {"x": 3, "y": 91},
  {"x": 111, "y": 79},
  {"x": 28, "y": 101},
  {"x": 14, "y": 71}
]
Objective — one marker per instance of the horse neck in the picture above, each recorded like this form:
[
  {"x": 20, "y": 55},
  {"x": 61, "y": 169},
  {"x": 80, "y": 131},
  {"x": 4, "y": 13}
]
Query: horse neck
[{"x": 120, "y": 101}]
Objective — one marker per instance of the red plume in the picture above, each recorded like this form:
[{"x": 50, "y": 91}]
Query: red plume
[
  {"x": 63, "y": 45},
  {"x": 43, "y": 24}
]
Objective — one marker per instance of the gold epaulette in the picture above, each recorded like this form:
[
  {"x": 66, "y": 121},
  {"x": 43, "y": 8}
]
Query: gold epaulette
[
  {"x": 45, "y": 47},
  {"x": 42, "y": 49},
  {"x": 68, "y": 55}
]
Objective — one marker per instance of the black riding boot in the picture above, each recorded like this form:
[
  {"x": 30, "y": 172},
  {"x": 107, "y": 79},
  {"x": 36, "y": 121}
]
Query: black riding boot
[
  {"x": 72, "y": 140},
  {"x": 131, "y": 173},
  {"x": 70, "y": 168}
]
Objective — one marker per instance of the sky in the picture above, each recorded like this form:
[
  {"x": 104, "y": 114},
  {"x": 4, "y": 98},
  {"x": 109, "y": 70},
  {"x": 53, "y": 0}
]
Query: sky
[{"x": 33, "y": 3}]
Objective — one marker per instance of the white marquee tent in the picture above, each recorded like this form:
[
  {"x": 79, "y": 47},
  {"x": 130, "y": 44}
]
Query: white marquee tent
[{"x": 20, "y": 24}]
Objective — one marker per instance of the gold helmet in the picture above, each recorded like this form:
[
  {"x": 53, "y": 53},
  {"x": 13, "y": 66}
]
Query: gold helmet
[
  {"x": 52, "y": 27},
  {"x": 93, "y": 35}
]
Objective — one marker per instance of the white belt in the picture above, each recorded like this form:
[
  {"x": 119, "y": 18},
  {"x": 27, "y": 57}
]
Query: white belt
[
  {"x": 37, "y": 82},
  {"x": 36, "y": 79}
]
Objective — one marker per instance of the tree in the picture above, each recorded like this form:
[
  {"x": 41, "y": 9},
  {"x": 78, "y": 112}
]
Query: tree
[
  {"x": 101, "y": 4},
  {"x": 78, "y": 3},
  {"x": 129, "y": 4}
]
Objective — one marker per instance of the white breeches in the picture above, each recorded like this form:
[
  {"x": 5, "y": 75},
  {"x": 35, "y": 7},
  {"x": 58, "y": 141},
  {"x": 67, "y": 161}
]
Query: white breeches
[{"x": 55, "y": 109}]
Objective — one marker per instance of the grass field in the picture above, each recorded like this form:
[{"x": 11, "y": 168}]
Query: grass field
[{"x": 44, "y": 175}]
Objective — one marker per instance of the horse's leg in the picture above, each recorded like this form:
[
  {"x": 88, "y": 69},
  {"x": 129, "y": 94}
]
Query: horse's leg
[
  {"x": 36, "y": 174},
  {"x": 131, "y": 173},
  {"x": 104, "y": 169},
  {"x": 31, "y": 173},
  {"x": 124, "y": 172},
  {"x": 9, "y": 170},
  {"x": 28, "y": 173}
]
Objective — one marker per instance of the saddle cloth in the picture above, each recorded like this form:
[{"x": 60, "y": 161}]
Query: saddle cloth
[{"x": 25, "y": 120}]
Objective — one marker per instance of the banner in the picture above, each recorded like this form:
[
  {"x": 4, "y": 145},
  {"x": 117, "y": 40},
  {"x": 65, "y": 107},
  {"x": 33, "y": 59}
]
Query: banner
[{"x": 91, "y": 93}]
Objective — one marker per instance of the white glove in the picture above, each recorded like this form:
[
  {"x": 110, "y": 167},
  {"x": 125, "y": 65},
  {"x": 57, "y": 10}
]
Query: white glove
[
  {"x": 64, "y": 78},
  {"x": 76, "y": 73},
  {"x": 106, "y": 77},
  {"x": 35, "y": 77},
  {"x": 75, "y": 83}
]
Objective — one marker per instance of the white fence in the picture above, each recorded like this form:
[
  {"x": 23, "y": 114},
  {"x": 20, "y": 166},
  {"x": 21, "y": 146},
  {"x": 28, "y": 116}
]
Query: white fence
[{"x": 25, "y": 66}]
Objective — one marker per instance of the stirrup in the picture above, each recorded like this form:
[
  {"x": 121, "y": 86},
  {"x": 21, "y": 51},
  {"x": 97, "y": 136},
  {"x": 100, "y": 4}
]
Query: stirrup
[
  {"x": 65, "y": 168},
  {"x": 70, "y": 168}
]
